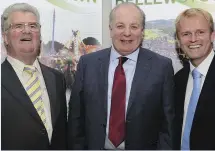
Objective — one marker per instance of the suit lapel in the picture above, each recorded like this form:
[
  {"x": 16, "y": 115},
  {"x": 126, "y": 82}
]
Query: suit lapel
[
  {"x": 12, "y": 84},
  {"x": 207, "y": 93},
  {"x": 209, "y": 82},
  {"x": 181, "y": 80},
  {"x": 50, "y": 83},
  {"x": 142, "y": 71},
  {"x": 181, "y": 85},
  {"x": 103, "y": 62}
]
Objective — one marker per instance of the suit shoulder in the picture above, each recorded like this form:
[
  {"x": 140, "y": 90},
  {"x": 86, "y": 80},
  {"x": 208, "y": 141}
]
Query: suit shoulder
[
  {"x": 158, "y": 57},
  {"x": 180, "y": 73},
  {"x": 54, "y": 71},
  {"x": 183, "y": 70},
  {"x": 4, "y": 64},
  {"x": 95, "y": 55}
]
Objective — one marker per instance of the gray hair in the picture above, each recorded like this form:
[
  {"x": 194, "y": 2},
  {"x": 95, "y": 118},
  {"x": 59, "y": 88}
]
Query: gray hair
[
  {"x": 143, "y": 16},
  {"x": 17, "y": 7}
]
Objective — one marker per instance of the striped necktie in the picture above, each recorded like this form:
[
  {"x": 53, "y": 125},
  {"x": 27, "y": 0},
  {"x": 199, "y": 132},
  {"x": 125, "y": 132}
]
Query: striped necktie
[{"x": 34, "y": 91}]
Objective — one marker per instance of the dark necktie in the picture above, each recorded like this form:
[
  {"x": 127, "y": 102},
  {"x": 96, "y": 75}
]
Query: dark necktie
[{"x": 117, "y": 112}]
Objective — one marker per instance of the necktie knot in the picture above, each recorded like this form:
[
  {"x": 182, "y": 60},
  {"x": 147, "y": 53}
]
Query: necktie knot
[
  {"x": 122, "y": 60},
  {"x": 196, "y": 74},
  {"x": 29, "y": 69}
]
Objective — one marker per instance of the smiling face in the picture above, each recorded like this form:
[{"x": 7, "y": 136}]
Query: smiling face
[
  {"x": 126, "y": 29},
  {"x": 24, "y": 44},
  {"x": 195, "y": 38}
]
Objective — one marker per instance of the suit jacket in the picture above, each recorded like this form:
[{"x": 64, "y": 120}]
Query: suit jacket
[
  {"x": 150, "y": 108},
  {"x": 202, "y": 135},
  {"x": 21, "y": 126}
]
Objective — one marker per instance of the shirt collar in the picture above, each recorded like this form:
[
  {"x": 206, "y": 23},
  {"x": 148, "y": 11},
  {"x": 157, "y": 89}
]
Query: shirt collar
[
  {"x": 115, "y": 55},
  {"x": 204, "y": 66},
  {"x": 19, "y": 65}
]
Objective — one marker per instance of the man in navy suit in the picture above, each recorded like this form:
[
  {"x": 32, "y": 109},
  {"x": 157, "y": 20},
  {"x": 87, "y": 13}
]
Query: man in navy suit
[
  {"x": 195, "y": 83},
  {"x": 33, "y": 102},
  {"x": 122, "y": 97}
]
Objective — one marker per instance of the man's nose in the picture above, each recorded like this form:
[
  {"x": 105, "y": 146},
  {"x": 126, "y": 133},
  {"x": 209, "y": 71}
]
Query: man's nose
[
  {"x": 26, "y": 28},
  {"x": 127, "y": 31},
  {"x": 194, "y": 37}
]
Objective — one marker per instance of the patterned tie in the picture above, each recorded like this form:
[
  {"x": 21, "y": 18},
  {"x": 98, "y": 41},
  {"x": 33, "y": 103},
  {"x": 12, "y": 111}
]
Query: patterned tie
[
  {"x": 34, "y": 91},
  {"x": 117, "y": 113},
  {"x": 191, "y": 109}
]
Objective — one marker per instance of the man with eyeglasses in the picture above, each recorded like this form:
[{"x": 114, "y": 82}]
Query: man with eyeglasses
[
  {"x": 19, "y": 27},
  {"x": 33, "y": 102}
]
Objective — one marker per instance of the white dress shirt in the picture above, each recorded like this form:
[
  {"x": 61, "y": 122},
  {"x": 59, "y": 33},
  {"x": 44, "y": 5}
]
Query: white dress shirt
[
  {"x": 18, "y": 67},
  {"x": 203, "y": 69},
  {"x": 129, "y": 68}
]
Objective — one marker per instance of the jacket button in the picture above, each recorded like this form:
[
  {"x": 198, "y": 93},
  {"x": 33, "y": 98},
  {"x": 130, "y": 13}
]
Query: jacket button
[
  {"x": 103, "y": 125},
  {"x": 43, "y": 131},
  {"x": 128, "y": 121}
]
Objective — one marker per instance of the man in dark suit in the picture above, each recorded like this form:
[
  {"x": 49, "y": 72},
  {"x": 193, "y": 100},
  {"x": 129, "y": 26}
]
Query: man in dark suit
[
  {"x": 33, "y": 102},
  {"x": 195, "y": 83},
  {"x": 122, "y": 97}
]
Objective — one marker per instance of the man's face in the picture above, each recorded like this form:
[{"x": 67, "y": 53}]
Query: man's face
[
  {"x": 195, "y": 38},
  {"x": 24, "y": 43},
  {"x": 126, "y": 29}
]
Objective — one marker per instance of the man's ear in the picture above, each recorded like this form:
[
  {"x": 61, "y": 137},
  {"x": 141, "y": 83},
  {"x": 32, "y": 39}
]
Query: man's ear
[
  {"x": 5, "y": 38},
  {"x": 143, "y": 34},
  {"x": 110, "y": 28},
  {"x": 213, "y": 36},
  {"x": 177, "y": 43}
]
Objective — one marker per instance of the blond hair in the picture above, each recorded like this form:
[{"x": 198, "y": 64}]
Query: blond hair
[{"x": 194, "y": 12}]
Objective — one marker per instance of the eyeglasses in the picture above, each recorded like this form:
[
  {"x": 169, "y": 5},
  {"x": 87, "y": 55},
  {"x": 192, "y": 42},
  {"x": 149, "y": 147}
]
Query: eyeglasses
[{"x": 19, "y": 27}]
